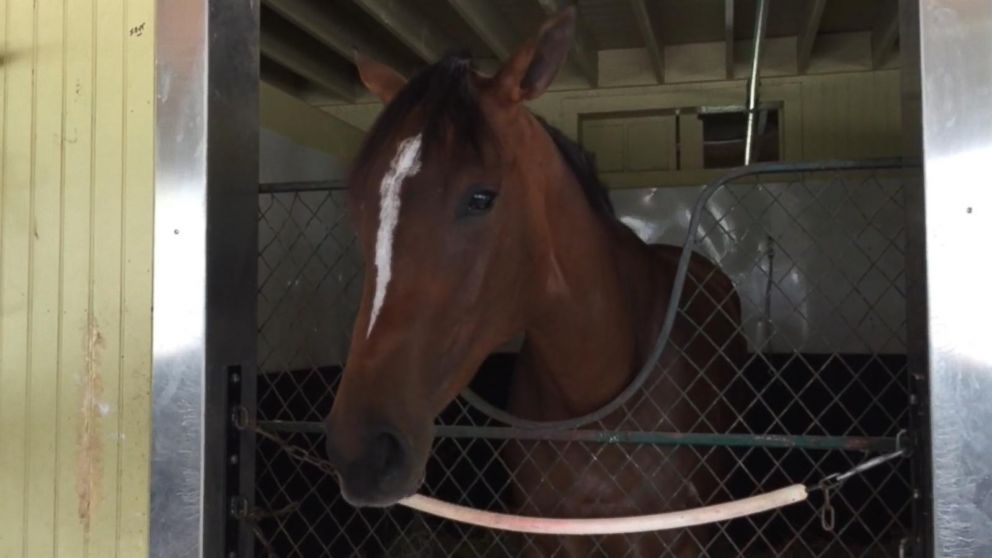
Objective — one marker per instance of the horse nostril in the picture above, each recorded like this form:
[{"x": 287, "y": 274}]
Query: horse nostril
[
  {"x": 386, "y": 453},
  {"x": 374, "y": 465}
]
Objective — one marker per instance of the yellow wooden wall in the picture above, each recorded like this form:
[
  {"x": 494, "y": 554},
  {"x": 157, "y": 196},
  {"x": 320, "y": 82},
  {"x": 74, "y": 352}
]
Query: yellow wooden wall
[
  {"x": 76, "y": 186},
  {"x": 851, "y": 116}
]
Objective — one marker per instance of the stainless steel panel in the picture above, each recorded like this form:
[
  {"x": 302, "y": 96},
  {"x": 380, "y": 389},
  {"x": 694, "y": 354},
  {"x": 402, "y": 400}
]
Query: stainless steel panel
[
  {"x": 206, "y": 177},
  {"x": 179, "y": 279},
  {"x": 956, "y": 77}
]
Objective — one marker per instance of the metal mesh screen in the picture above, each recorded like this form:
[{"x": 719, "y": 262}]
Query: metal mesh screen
[{"x": 818, "y": 261}]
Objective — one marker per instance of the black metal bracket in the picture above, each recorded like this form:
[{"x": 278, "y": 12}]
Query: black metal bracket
[{"x": 232, "y": 454}]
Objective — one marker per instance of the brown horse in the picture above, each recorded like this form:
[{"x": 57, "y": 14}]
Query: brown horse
[{"x": 478, "y": 223}]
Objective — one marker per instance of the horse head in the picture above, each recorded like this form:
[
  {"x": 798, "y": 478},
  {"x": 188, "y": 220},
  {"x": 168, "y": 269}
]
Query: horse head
[{"x": 450, "y": 200}]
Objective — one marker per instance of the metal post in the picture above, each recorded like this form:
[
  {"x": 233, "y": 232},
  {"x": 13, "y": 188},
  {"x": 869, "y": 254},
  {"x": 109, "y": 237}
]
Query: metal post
[
  {"x": 760, "y": 24},
  {"x": 955, "y": 48},
  {"x": 205, "y": 258},
  {"x": 916, "y": 287}
]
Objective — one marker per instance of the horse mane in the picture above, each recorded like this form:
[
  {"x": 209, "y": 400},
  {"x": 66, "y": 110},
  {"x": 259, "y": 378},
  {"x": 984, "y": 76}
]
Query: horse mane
[
  {"x": 444, "y": 93},
  {"x": 583, "y": 167}
]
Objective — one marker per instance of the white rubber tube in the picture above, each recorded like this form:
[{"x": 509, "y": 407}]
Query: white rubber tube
[{"x": 609, "y": 525}]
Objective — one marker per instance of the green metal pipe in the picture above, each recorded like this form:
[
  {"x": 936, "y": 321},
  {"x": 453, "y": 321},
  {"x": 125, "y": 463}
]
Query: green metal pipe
[{"x": 844, "y": 443}]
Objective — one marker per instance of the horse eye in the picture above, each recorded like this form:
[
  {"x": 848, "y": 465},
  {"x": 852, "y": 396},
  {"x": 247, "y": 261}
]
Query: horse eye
[{"x": 481, "y": 201}]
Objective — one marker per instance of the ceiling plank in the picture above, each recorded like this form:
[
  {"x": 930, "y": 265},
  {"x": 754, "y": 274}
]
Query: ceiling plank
[
  {"x": 488, "y": 24},
  {"x": 411, "y": 27},
  {"x": 301, "y": 62},
  {"x": 884, "y": 33},
  {"x": 728, "y": 38},
  {"x": 651, "y": 40},
  {"x": 584, "y": 54},
  {"x": 313, "y": 18},
  {"x": 807, "y": 35},
  {"x": 278, "y": 76}
]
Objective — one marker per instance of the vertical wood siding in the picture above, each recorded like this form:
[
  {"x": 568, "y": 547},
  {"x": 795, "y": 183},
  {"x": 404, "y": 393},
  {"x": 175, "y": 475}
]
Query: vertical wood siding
[{"x": 76, "y": 187}]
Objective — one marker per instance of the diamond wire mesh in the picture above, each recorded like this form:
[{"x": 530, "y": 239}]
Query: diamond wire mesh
[{"x": 818, "y": 261}]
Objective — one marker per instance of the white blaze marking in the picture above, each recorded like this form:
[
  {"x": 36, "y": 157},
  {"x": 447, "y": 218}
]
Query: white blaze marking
[{"x": 405, "y": 164}]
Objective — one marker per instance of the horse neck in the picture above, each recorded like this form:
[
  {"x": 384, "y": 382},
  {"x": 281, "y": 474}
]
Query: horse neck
[{"x": 595, "y": 321}]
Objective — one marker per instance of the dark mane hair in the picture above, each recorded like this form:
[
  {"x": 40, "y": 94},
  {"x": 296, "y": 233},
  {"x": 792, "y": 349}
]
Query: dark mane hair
[
  {"x": 583, "y": 167},
  {"x": 445, "y": 94}
]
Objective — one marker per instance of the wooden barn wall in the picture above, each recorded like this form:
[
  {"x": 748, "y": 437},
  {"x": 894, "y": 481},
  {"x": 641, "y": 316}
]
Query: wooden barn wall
[
  {"x": 851, "y": 115},
  {"x": 76, "y": 190}
]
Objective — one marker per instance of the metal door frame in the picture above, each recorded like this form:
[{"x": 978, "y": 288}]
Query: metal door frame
[
  {"x": 955, "y": 46},
  {"x": 206, "y": 175}
]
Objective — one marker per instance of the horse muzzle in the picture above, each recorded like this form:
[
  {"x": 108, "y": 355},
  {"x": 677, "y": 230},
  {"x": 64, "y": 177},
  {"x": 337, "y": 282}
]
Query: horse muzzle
[{"x": 383, "y": 472}]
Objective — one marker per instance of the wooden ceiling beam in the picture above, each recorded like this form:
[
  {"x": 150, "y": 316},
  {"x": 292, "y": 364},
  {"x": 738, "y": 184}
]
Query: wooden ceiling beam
[
  {"x": 808, "y": 32},
  {"x": 885, "y": 33},
  {"x": 292, "y": 117},
  {"x": 728, "y": 38},
  {"x": 313, "y": 17},
  {"x": 278, "y": 76},
  {"x": 488, "y": 24},
  {"x": 584, "y": 54},
  {"x": 302, "y": 63},
  {"x": 656, "y": 50},
  {"x": 410, "y": 26}
]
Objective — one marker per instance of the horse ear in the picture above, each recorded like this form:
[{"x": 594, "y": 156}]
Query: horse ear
[
  {"x": 529, "y": 72},
  {"x": 383, "y": 81}
]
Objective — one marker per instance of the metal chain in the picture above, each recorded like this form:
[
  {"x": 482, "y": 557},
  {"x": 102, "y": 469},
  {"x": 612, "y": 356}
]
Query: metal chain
[
  {"x": 828, "y": 517},
  {"x": 253, "y": 516},
  {"x": 242, "y": 420},
  {"x": 829, "y": 485}
]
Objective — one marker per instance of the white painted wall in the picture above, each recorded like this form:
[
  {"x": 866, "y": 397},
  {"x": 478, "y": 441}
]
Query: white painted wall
[
  {"x": 307, "y": 278},
  {"x": 283, "y": 160}
]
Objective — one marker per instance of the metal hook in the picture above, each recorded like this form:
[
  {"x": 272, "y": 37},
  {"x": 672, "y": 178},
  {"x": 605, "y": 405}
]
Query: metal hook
[
  {"x": 828, "y": 517},
  {"x": 901, "y": 444},
  {"x": 240, "y": 417}
]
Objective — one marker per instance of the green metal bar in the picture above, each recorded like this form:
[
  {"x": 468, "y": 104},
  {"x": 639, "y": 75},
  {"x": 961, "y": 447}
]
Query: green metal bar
[{"x": 843, "y": 443}]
